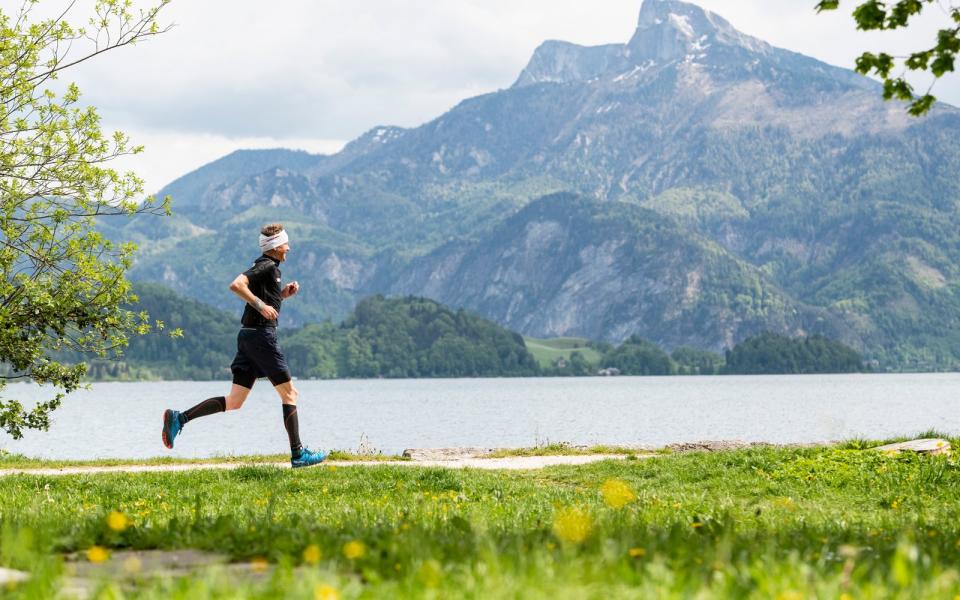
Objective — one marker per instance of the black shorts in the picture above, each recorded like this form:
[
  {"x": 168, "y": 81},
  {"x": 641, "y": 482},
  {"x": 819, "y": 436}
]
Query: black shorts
[{"x": 259, "y": 356}]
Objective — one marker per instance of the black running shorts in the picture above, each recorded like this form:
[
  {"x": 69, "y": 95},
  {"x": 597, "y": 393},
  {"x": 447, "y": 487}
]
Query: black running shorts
[{"x": 259, "y": 356}]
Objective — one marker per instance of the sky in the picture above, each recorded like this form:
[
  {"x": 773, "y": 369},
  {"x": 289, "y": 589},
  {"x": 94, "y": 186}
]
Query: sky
[{"x": 314, "y": 74}]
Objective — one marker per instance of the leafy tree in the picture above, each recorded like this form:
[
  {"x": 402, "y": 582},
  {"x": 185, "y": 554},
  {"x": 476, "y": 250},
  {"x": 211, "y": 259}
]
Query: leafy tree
[
  {"x": 638, "y": 356},
  {"x": 691, "y": 361},
  {"x": 62, "y": 286},
  {"x": 771, "y": 353},
  {"x": 938, "y": 59},
  {"x": 576, "y": 366}
]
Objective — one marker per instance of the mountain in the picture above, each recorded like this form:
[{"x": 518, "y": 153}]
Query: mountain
[{"x": 694, "y": 186}]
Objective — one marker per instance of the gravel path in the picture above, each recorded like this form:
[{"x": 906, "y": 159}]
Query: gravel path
[{"x": 512, "y": 462}]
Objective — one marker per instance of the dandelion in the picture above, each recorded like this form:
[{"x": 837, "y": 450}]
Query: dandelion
[
  {"x": 325, "y": 591},
  {"x": 572, "y": 525},
  {"x": 617, "y": 493},
  {"x": 117, "y": 521},
  {"x": 354, "y": 550},
  {"x": 97, "y": 554},
  {"x": 636, "y": 552},
  {"x": 311, "y": 554},
  {"x": 259, "y": 564}
]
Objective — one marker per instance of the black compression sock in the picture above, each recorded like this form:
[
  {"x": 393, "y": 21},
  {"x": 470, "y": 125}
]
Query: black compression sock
[
  {"x": 292, "y": 424},
  {"x": 209, "y": 406}
]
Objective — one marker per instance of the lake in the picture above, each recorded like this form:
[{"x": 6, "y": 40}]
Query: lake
[{"x": 123, "y": 419}]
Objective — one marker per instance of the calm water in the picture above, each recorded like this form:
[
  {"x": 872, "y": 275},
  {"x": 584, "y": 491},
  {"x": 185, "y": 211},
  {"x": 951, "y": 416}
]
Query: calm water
[{"x": 123, "y": 419}]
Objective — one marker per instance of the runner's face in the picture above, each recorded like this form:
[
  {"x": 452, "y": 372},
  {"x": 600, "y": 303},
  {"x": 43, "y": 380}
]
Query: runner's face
[{"x": 281, "y": 252}]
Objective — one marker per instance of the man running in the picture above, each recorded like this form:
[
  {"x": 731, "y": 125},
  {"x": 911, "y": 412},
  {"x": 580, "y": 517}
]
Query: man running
[{"x": 257, "y": 352}]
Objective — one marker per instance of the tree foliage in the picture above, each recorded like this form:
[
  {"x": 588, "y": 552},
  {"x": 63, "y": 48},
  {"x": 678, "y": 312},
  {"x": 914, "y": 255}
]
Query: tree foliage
[
  {"x": 771, "y": 353},
  {"x": 637, "y": 356},
  {"x": 877, "y": 15},
  {"x": 407, "y": 337},
  {"x": 62, "y": 287}
]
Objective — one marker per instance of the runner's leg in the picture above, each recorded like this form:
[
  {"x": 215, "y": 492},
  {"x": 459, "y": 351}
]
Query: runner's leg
[
  {"x": 210, "y": 406},
  {"x": 238, "y": 395},
  {"x": 288, "y": 396}
]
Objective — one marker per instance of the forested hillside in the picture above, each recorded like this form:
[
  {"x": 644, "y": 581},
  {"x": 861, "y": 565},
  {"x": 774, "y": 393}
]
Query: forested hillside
[{"x": 693, "y": 185}]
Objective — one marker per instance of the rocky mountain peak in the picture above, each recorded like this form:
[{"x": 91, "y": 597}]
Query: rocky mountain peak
[{"x": 669, "y": 29}]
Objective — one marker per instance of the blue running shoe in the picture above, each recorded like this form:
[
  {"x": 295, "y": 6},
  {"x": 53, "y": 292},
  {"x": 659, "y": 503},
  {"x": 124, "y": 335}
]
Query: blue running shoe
[
  {"x": 171, "y": 427},
  {"x": 308, "y": 458}
]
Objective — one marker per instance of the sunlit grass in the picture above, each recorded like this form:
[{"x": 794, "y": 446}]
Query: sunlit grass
[{"x": 761, "y": 523}]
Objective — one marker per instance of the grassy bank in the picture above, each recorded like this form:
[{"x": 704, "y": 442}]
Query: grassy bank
[
  {"x": 18, "y": 461},
  {"x": 764, "y": 523},
  {"x": 548, "y": 351}
]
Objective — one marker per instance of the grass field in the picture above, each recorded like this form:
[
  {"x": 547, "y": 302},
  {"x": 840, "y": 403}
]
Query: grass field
[
  {"x": 547, "y": 351},
  {"x": 839, "y": 522}
]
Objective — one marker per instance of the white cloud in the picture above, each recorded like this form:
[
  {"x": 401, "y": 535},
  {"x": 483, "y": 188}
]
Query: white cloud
[{"x": 300, "y": 72}]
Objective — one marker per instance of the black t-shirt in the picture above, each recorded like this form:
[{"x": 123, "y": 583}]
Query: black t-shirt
[{"x": 264, "y": 282}]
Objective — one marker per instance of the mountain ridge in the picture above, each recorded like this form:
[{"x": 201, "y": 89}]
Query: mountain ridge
[{"x": 780, "y": 173}]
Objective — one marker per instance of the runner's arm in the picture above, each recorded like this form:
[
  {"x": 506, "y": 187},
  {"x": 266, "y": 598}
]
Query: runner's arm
[{"x": 241, "y": 287}]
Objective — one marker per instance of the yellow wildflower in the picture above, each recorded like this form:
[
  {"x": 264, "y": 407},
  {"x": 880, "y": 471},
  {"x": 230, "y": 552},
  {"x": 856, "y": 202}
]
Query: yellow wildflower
[
  {"x": 696, "y": 524},
  {"x": 572, "y": 525},
  {"x": 617, "y": 493},
  {"x": 354, "y": 550},
  {"x": 637, "y": 552},
  {"x": 97, "y": 554},
  {"x": 259, "y": 564},
  {"x": 325, "y": 591},
  {"x": 311, "y": 554},
  {"x": 117, "y": 521}
]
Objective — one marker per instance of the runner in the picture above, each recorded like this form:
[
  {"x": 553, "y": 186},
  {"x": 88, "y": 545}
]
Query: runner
[{"x": 257, "y": 352}]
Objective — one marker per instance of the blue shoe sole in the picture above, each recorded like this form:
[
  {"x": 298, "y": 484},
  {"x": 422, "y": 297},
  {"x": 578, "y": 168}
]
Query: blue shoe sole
[
  {"x": 167, "y": 415},
  {"x": 302, "y": 465}
]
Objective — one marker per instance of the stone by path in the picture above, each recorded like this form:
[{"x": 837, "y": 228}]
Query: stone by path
[{"x": 511, "y": 463}]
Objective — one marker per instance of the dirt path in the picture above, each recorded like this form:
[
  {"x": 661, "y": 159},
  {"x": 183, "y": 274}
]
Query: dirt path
[{"x": 512, "y": 462}]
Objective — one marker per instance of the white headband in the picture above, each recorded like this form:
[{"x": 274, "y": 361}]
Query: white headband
[{"x": 268, "y": 243}]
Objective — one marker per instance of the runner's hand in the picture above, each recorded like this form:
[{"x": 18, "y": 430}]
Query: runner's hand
[
  {"x": 269, "y": 312},
  {"x": 290, "y": 289}
]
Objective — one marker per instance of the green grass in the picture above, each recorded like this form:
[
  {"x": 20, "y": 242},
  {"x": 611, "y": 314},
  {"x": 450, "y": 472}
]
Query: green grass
[
  {"x": 18, "y": 461},
  {"x": 547, "y": 351},
  {"x": 757, "y": 523},
  {"x": 563, "y": 449}
]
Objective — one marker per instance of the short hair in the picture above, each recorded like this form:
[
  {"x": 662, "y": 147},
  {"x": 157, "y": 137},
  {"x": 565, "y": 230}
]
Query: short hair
[{"x": 271, "y": 229}]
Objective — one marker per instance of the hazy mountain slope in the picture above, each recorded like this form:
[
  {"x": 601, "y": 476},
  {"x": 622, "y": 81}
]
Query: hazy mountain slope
[{"x": 766, "y": 167}]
